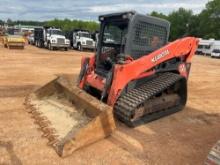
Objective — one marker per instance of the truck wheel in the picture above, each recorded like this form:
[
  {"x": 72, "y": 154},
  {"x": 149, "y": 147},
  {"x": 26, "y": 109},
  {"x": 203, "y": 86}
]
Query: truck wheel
[
  {"x": 50, "y": 47},
  {"x": 66, "y": 49},
  {"x": 79, "y": 47}
]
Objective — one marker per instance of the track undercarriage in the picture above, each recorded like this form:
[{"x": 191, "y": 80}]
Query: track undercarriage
[{"x": 159, "y": 97}]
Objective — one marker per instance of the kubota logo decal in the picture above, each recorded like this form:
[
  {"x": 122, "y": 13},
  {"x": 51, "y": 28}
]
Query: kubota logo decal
[{"x": 159, "y": 56}]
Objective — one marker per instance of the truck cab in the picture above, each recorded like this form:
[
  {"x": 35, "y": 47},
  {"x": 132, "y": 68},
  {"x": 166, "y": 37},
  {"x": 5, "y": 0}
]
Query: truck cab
[
  {"x": 31, "y": 39},
  {"x": 51, "y": 38},
  {"x": 55, "y": 38},
  {"x": 82, "y": 39}
]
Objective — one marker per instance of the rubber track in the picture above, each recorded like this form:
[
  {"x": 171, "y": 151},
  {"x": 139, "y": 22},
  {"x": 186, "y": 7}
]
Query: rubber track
[
  {"x": 214, "y": 155},
  {"x": 127, "y": 104}
]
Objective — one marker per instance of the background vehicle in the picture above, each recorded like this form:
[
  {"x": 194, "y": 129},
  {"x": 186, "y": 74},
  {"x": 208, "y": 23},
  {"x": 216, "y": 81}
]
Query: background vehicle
[
  {"x": 215, "y": 49},
  {"x": 81, "y": 39},
  {"x": 11, "y": 40},
  {"x": 50, "y": 38},
  {"x": 2, "y": 33},
  {"x": 215, "y": 53},
  {"x": 205, "y": 47},
  {"x": 31, "y": 39},
  {"x": 137, "y": 77},
  {"x": 108, "y": 38},
  {"x": 14, "y": 41}
]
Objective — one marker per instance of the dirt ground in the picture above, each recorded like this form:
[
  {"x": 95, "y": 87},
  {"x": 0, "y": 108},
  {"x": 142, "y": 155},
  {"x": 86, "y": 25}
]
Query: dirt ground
[{"x": 183, "y": 138}]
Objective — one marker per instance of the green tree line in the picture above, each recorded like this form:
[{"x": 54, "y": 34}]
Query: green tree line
[
  {"x": 65, "y": 24},
  {"x": 184, "y": 23},
  {"x": 206, "y": 24},
  {"x": 68, "y": 24}
]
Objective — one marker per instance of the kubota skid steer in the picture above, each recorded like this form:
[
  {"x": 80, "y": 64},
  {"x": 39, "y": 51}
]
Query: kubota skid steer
[{"x": 135, "y": 76}]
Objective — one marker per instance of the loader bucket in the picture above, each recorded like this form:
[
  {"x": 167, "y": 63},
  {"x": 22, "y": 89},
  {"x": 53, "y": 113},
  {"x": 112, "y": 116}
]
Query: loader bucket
[{"x": 68, "y": 116}]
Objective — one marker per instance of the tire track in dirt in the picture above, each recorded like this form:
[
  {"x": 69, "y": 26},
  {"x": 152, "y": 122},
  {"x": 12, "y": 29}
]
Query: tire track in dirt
[
  {"x": 8, "y": 145},
  {"x": 16, "y": 91}
]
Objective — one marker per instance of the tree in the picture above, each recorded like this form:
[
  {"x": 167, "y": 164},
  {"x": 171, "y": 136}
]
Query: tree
[
  {"x": 210, "y": 20},
  {"x": 181, "y": 23},
  {"x": 10, "y": 22},
  {"x": 68, "y": 25},
  {"x": 159, "y": 15}
]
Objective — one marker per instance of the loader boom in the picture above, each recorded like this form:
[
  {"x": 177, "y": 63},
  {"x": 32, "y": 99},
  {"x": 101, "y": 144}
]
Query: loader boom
[{"x": 183, "y": 48}]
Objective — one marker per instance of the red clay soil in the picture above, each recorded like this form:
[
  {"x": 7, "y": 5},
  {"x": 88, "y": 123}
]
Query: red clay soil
[{"x": 183, "y": 138}]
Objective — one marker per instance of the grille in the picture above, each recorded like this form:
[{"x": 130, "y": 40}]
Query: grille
[
  {"x": 61, "y": 41},
  {"x": 147, "y": 38},
  {"x": 89, "y": 42}
]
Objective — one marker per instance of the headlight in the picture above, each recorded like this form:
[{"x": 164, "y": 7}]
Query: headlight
[
  {"x": 53, "y": 41},
  {"x": 83, "y": 43},
  {"x": 67, "y": 41}
]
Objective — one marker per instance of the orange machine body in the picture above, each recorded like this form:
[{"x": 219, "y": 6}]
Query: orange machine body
[{"x": 145, "y": 66}]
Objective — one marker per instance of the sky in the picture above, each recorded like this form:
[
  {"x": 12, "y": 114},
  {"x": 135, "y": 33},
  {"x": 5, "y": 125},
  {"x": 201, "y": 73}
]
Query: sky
[{"x": 42, "y": 10}]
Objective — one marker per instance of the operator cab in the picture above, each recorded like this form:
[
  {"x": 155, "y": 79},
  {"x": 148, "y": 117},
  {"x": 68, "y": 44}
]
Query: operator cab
[{"x": 128, "y": 34}]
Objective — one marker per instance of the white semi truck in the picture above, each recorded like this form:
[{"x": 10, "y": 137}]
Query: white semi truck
[
  {"x": 51, "y": 38},
  {"x": 81, "y": 39}
]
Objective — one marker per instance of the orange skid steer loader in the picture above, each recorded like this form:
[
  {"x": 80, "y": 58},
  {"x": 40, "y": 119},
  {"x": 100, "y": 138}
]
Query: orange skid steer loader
[{"x": 135, "y": 76}]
